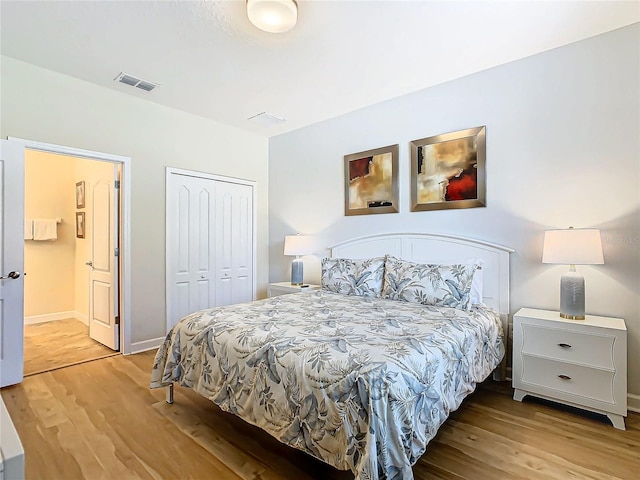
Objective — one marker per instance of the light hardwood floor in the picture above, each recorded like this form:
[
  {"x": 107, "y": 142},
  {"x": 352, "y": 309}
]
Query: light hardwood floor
[
  {"x": 99, "y": 420},
  {"x": 51, "y": 345}
]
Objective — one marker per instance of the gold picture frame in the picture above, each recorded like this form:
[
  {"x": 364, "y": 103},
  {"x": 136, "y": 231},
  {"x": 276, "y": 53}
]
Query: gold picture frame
[
  {"x": 80, "y": 195},
  {"x": 371, "y": 181},
  {"x": 80, "y": 225},
  {"x": 448, "y": 170}
]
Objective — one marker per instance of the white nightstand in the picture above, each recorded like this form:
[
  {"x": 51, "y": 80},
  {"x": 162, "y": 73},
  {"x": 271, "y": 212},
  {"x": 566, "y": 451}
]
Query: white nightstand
[
  {"x": 283, "y": 288},
  {"x": 582, "y": 363}
]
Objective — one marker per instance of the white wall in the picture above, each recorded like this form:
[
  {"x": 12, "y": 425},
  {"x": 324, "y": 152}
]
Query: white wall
[
  {"x": 562, "y": 149},
  {"x": 42, "y": 105}
]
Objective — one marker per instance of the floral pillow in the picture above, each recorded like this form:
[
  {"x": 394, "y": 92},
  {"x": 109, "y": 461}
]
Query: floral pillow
[
  {"x": 353, "y": 277},
  {"x": 438, "y": 285}
]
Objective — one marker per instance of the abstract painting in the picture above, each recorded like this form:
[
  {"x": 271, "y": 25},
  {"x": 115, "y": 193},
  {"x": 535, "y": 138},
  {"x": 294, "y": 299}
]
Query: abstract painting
[
  {"x": 448, "y": 170},
  {"x": 371, "y": 181}
]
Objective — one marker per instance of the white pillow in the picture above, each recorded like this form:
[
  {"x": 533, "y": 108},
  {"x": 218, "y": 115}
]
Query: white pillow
[{"x": 476, "y": 284}]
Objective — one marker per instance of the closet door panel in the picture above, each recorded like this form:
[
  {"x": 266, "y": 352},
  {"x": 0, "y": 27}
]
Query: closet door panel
[
  {"x": 210, "y": 243},
  {"x": 234, "y": 243},
  {"x": 190, "y": 235}
]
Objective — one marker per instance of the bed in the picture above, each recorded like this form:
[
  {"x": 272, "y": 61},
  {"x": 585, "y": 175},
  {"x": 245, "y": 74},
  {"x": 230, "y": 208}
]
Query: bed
[{"x": 361, "y": 382}]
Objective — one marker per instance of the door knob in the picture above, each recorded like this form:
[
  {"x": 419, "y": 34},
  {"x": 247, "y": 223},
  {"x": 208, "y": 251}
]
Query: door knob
[
  {"x": 89, "y": 263},
  {"x": 12, "y": 275}
]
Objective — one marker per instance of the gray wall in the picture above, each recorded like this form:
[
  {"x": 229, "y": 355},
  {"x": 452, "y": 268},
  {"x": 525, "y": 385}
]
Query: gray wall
[
  {"x": 42, "y": 105},
  {"x": 563, "y": 149}
]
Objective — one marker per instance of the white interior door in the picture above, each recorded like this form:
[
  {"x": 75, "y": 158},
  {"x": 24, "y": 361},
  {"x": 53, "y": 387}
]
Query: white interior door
[
  {"x": 210, "y": 243},
  {"x": 190, "y": 223},
  {"x": 234, "y": 243},
  {"x": 103, "y": 278},
  {"x": 11, "y": 262}
]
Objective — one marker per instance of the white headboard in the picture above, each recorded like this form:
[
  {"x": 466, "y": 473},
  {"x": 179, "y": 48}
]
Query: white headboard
[
  {"x": 443, "y": 249},
  {"x": 439, "y": 248}
]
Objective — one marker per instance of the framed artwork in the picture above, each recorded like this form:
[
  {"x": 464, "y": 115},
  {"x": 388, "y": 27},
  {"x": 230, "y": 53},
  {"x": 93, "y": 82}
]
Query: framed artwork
[
  {"x": 371, "y": 181},
  {"x": 80, "y": 225},
  {"x": 448, "y": 171},
  {"x": 80, "y": 194}
]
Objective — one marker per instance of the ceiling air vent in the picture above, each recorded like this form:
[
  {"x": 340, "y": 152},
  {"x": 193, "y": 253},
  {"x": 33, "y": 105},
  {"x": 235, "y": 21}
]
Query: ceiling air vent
[
  {"x": 136, "y": 82},
  {"x": 266, "y": 119}
]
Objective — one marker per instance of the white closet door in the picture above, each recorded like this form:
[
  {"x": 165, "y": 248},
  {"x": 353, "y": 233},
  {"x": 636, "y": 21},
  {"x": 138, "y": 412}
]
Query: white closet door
[
  {"x": 234, "y": 243},
  {"x": 190, "y": 223},
  {"x": 210, "y": 243}
]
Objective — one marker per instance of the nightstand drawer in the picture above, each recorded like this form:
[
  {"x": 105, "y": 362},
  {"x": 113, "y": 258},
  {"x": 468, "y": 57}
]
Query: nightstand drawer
[
  {"x": 571, "y": 346},
  {"x": 591, "y": 383}
]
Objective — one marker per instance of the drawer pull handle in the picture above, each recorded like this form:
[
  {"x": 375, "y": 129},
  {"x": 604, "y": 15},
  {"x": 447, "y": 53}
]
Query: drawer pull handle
[
  {"x": 564, "y": 345},
  {"x": 564, "y": 377}
]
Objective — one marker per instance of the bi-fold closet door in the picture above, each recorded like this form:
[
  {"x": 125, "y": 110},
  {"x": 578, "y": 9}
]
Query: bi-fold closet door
[{"x": 210, "y": 243}]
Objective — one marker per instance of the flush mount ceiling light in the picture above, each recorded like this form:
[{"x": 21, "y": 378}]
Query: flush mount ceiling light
[{"x": 273, "y": 16}]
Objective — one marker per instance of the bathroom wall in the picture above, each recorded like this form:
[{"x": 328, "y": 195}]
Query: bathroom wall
[{"x": 49, "y": 265}]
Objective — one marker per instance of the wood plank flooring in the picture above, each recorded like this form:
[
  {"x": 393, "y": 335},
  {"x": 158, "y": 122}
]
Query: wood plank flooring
[
  {"x": 51, "y": 345},
  {"x": 99, "y": 420}
]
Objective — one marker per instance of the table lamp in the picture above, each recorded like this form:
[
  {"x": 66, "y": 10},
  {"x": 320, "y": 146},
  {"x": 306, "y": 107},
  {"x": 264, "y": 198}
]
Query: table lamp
[
  {"x": 297, "y": 245},
  {"x": 572, "y": 246}
]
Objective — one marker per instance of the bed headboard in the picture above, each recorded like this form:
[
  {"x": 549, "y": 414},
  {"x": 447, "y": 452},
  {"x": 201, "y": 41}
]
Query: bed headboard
[
  {"x": 439, "y": 248},
  {"x": 444, "y": 249}
]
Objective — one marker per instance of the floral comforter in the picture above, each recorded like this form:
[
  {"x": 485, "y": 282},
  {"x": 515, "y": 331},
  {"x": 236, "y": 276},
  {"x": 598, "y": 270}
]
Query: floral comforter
[{"x": 360, "y": 383}]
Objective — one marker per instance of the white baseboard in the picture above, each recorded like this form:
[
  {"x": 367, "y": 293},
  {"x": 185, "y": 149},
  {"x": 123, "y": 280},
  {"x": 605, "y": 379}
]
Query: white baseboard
[
  {"x": 633, "y": 403},
  {"x": 82, "y": 317},
  {"x": 138, "y": 347},
  {"x": 50, "y": 317}
]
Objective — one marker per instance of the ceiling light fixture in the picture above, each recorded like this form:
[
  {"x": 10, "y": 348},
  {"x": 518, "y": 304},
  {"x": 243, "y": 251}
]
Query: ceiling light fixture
[{"x": 273, "y": 16}]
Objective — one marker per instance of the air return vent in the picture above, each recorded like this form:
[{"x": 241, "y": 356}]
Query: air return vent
[
  {"x": 266, "y": 119},
  {"x": 136, "y": 82}
]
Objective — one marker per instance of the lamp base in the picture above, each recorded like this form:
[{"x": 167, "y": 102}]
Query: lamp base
[
  {"x": 572, "y": 295},
  {"x": 296, "y": 272}
]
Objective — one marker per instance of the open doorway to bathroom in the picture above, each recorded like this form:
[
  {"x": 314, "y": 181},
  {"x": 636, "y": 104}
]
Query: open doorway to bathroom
[{"x": 63, "y": 238}]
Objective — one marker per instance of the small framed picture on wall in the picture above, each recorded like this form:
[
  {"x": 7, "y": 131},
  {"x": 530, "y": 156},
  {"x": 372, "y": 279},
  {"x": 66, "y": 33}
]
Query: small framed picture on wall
[
  {"x": 80, "y": 225},
  {"x": 80, "y": 194}
]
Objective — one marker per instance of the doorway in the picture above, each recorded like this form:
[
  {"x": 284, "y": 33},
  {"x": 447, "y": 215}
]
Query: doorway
[
  {"x": 12, "y": 155},
  {"x": 70, "y": 222}
]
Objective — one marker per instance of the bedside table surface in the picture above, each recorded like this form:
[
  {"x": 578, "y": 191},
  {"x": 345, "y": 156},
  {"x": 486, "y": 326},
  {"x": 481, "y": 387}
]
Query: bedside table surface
[
  {"x": 589, "y": 321},
  {"x": 309, "y": 286}
]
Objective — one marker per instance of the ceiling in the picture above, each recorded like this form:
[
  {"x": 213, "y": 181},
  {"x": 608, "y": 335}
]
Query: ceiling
[{"x": 341, "y": 56}]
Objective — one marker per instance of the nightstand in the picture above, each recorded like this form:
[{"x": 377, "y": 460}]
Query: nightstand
[
  {"x": 284, "y": 288},
  {"x": 581, "y": 363}
]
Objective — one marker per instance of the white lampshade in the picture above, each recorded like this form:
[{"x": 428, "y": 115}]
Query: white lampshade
[
  {"x": 273, "y": 16},
  {"x": 298, "y": 245},
  {"x": 573, "y": 246}
]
